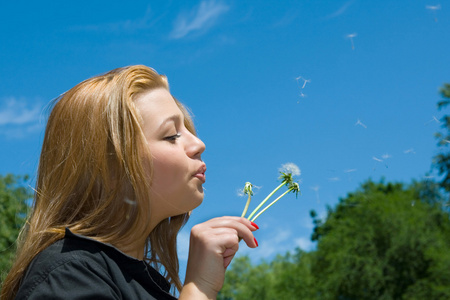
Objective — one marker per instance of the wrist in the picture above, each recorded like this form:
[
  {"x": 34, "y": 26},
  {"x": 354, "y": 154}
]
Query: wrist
[{"x": 192, "y": 291}]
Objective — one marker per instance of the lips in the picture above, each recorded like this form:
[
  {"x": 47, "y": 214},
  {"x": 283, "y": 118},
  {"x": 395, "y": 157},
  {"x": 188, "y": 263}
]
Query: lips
[{"x": 200, "y": 174}]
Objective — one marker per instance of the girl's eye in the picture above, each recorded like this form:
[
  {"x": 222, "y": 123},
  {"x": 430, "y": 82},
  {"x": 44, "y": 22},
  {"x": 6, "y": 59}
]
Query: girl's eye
[{"x": 172, "y": 138}]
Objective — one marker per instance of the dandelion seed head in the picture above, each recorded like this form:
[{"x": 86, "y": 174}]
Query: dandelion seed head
[
  {"x": 240, "y": 192},
  {"x": 290, "y": 168}
]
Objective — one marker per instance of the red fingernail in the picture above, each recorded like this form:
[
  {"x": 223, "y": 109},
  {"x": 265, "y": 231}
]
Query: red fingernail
[
  {"x": 256, "y": 242},
  {"x": 254, "y": 225}
]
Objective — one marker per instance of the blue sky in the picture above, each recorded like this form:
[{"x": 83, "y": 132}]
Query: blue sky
[{"x": 346, "y": 90}]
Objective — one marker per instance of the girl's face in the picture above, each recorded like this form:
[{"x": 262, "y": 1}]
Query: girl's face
[{"x": 178, "y": 171}]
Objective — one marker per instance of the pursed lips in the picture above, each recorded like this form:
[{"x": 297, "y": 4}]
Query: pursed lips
[{"x": 200, "y": 174}]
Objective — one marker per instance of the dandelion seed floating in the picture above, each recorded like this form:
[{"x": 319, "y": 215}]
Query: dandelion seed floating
[
  {"x": 334, "y": 179},
  {"x": 316, "y": 190},
  {"x": 305, "y": 81},
  {"x": 351, "y": 36},
  {"x": 433, "y": 9},
  {"x": 409, "y": 151},
  {"x": 360, "y": 123},
  {"x": 434, "y": 119},
  {"x": 386, "y": 156},
  {"x": 302, "y": 95},
  {"x": 129, "y": 201}
]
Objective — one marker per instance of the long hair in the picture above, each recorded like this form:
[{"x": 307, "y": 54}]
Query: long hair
[{"x": 93, "y": 175}]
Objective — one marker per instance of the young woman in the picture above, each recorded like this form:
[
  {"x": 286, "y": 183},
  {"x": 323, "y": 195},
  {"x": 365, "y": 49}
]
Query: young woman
[{"x": 119, "y": 173}]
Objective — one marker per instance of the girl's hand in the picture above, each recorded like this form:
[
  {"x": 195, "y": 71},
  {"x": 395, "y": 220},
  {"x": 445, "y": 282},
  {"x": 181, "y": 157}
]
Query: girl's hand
[{"x": 213, "y": 245}]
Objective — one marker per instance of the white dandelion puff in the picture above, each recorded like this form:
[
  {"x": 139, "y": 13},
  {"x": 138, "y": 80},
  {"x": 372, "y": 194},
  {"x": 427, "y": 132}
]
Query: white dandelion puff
[{"x": 290, "y": 168}]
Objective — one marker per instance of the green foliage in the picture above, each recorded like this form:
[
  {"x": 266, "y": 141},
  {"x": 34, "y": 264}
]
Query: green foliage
[
  {"x": 442, "y": 161},
  {"x": 383, "y": 241},
  {"x": 13, "y": 210},
  {"x": 286, "y": 277}
]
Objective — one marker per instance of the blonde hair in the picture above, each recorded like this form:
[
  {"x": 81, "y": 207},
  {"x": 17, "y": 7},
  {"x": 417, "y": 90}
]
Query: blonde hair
[{"x": 92, "y": 174}]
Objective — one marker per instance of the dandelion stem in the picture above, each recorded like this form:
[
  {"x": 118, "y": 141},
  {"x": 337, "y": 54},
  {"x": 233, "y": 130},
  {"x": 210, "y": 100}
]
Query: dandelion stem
[
  {"x": 272, "y": 203},
  {"x": 267, "y": 198},
  {"x": 246, "y": 205}
]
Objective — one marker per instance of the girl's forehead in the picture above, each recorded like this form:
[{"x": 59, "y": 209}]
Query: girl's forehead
[{"x": 156, "y": 106}]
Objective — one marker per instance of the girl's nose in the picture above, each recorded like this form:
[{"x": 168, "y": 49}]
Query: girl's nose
[{"x": 195, "y": 147}]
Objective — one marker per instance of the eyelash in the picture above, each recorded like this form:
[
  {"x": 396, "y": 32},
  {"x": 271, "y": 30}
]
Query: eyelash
[{"x": 172, "y": 138}]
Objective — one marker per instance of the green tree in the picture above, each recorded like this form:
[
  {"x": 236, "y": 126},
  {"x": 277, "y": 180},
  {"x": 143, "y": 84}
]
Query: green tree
[
  {"x": 384, "y": 241},
  {"x": 13, "y": 209},
  {"x": 286, "y": 277},
  {"x": 442, "y": 160}
]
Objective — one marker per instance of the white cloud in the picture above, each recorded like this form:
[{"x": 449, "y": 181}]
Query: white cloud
[
  {"x": 18, "y": 118},
  {"x": 199, "y": 19},
  {"x": 279, "y": 242},
  {"x": 18, "y": 112},
  {"x": 340, "y": 11},
  {"x": 145, "y": 22},
  {"x": 308, "y": 223},
  {"x": 287, "y": 19},
  {"x": 304, "y": 243}
]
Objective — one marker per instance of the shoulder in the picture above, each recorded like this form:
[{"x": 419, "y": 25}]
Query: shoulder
[
  {"x": 80, "y": 268},
  {"x": 68, "y": 271}
]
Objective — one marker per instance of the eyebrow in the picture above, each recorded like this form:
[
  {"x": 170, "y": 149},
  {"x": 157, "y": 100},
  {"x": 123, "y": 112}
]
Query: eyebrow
[{"x": 173, "y": 118}]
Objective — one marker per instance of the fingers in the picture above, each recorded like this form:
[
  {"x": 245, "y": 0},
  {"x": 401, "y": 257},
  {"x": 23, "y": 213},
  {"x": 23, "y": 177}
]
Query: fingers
[
  {"x": 243, "y": 228},
  {"x": 228, "y": 256}
]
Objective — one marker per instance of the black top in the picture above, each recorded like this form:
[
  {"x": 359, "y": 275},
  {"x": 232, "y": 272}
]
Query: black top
[{"x": 77, "y": 267}]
